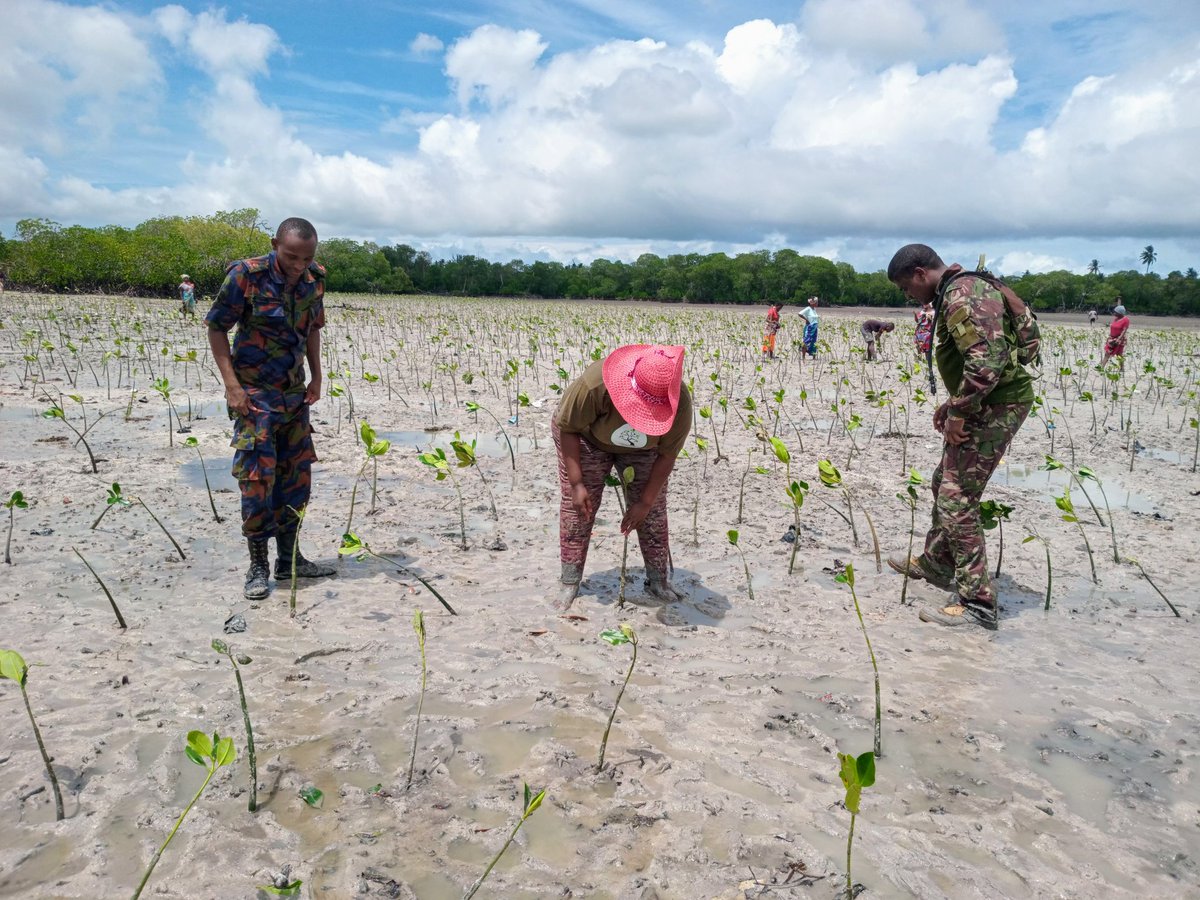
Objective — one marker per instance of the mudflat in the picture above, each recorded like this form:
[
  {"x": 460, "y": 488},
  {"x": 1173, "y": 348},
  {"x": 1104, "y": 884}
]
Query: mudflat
[{"x": 1055, "y": 757}]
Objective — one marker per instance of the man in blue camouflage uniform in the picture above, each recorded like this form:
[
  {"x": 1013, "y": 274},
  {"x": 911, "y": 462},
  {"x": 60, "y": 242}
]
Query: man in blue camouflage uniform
[
  {"x": 277, "y": 303},
  {"x": 990, "y": 396}
]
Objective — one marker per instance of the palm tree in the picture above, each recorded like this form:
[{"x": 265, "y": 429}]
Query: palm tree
[
  {"x": 1149, "y": 257},
  {"x": 1094, "y": 267}
]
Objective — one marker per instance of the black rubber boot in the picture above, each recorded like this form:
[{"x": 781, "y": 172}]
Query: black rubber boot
[
  {"x": 259, "y": 573},
  {"x": 305, "y": 568}
]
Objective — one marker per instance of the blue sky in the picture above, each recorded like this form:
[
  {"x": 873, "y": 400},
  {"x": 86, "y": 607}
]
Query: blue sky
[{"x": 1043, "y": 134}]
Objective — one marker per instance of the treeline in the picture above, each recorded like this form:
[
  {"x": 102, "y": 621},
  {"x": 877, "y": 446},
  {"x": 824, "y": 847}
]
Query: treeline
[{"x": 149, "y": 259}]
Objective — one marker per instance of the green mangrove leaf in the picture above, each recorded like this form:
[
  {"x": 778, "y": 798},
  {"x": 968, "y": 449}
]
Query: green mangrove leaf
[
  {"x": 291, "y": 889},
  {"x": 613, "y": 636},
  {"x": 223, "y": 750},
  {"x": 13, "y": 666},
  {"x": 312, "y": 796}
]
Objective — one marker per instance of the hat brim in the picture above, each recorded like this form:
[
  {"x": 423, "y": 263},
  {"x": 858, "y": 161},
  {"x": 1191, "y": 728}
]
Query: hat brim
[{"x": 653, "y": 419}]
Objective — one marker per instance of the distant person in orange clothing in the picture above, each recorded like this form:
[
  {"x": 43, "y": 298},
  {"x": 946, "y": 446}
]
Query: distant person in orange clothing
[
  {"x": 1115, "y": 346},
  {"x": 772, "y": 330}
]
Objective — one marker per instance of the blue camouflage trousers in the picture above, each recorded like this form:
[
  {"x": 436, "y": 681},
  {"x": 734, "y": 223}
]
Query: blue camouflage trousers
[{"x": 273, "y": 466}]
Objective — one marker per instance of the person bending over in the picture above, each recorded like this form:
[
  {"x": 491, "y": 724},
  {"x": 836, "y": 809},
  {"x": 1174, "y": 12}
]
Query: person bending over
[{"x": 629, "y": 409}]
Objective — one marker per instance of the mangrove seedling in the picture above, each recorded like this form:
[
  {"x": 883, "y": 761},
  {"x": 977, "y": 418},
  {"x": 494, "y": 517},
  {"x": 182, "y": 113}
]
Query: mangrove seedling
[
  {"x": 474, "y": 407},
  {"x": 1049, "y": 568},
  {"x": 1146, "y": 575},
  {"x": 194, "y": 443},
  {"x": 1068, "y": 515},
  {"x": 353, "y": 545},
  {"x": 56, "y": 412},
  {"x": 1194, "y": 424},
  {"x": 706, "y": 414},
  {"x": 103, "y": 587},
  {"x": 620, "y": 487},
  {"x": 832, "y": 478},
  {"x": 374, "y": 448},
  {"x": 732, "y": 535},
  {"x": 115, "y": 498},
  {"x": 847, "y": 577},
  {"x": 282, "y": 884},
  {"x": 1054, "y": 465},
  {"x": 795, "y": 491},
  {"x": 465, "y": 454},
  {"x": 13, "y": 666},
  {"x": 993, "y": 514},
  {"x": 909, "y": 498},
  {"x": 617, "y": 636},
  {"x": 1087, "y": 473},
  {"x": 299, "y": 514},
  {"x": 15, "y": 501},
  {"x": 856, "y": 773},
  {"x": 419, "y": 628},
  {"x": 158, "y": 522},
  {"x": 209, "y": 753},
  {"x": 436, "y": 460},
  {"x": 531, "y": 802},
  {"x": 237, "y": 661},
  {"x": 163, "y": 386}
]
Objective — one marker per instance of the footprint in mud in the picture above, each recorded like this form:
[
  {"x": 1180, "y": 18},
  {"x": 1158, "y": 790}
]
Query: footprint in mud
[{"x": 683, "y": 614}]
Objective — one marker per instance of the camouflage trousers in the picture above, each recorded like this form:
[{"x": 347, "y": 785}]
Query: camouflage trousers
[
  {"x": 273, "y": 466},
  {"x": 575, "y": 532},
  {"x": 954, "y": 547}
]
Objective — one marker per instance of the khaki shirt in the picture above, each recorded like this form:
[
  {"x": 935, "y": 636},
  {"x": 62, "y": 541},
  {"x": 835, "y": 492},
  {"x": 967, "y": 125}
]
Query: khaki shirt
[{"x": 588, "y": 411}]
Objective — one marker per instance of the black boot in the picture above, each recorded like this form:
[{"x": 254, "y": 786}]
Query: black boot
[
  {"x": 259, "y": 573},
  {"x": 305, "y": 568}
]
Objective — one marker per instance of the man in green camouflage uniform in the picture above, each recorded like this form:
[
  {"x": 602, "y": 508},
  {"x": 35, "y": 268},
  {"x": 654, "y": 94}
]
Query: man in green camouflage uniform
[{"x": 990, "y": 396}]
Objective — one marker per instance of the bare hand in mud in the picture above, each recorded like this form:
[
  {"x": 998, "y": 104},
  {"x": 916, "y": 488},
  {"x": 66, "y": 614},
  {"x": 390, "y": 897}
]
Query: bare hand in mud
[
  {"x": 237, "y": 399},
  {"x": 566, "y": 596},
  {"x": 634, "y": 517},
  {"x": 581, "y": 500}
]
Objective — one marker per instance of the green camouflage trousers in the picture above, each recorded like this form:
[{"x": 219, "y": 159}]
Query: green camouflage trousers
[{"x": 954, "y": 547}]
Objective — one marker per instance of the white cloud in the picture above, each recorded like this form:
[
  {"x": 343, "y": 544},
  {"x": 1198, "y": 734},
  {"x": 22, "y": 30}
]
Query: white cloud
[
  {"x": 760, "y": 54},
  {"x": 889, "y": 31},
  {"x": 793, "y": 131},
  {"x": 1017, "y": 262},
  {"x": 494, "y": 63},
  {"x": 64, "y": 65},
  {"x": 426, "y": 44}
]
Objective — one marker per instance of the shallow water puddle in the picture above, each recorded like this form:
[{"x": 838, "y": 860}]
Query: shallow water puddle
[
  {"x": 485, "y": 444},
  {"x": 1048, "y": 484}
]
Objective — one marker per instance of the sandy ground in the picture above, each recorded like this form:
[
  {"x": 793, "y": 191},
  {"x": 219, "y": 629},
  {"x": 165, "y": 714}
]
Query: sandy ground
[{"x": 1054, "y": 758}]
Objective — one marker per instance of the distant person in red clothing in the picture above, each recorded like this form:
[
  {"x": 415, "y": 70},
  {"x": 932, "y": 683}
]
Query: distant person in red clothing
[
  {"x": 772, "y": 330},
  {"x": 1115, "y": 346},
  {"x": 873, "y": 330}
]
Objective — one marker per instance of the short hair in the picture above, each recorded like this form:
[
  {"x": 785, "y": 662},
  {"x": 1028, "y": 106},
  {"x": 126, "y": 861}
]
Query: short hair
[
  {"x": 302, "y": 228},
  {"x": 911, "y": 257}
]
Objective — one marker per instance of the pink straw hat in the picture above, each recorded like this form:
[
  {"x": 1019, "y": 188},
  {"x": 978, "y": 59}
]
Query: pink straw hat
[{"x": 644, "y": 381}]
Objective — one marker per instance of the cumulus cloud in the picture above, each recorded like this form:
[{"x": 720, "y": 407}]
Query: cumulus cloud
[
  {"x": 494, "y": 63},
  {"x": 63, "y": 65},
  {"x": 803, "y": 131},
  {"x": 426, "y": 45}
]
